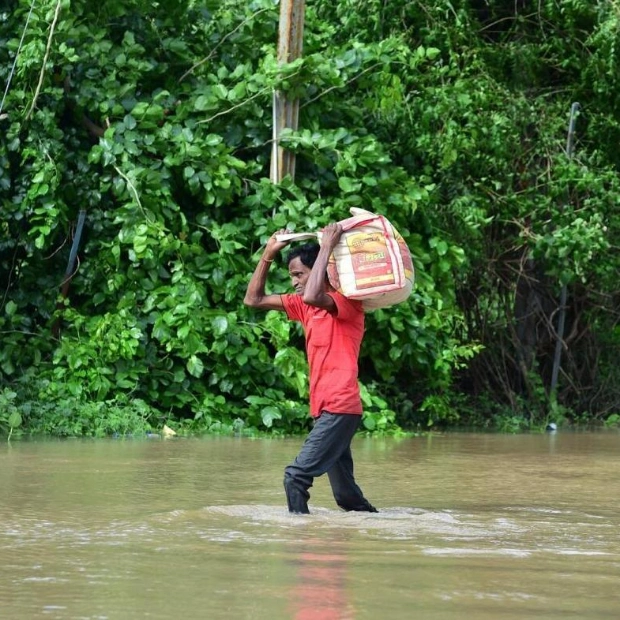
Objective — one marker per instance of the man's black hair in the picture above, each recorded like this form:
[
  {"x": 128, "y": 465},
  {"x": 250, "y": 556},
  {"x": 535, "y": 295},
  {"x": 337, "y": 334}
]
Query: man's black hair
[{"x": 307, "y": 253}]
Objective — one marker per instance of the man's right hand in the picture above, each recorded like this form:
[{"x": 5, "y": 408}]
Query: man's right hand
[
  {"x": 274, "y": 246},
  {"x": 255, "y": 295}
]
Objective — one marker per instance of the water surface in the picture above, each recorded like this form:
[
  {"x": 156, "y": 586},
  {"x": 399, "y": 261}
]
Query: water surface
[{"x": 488, "y": 527}]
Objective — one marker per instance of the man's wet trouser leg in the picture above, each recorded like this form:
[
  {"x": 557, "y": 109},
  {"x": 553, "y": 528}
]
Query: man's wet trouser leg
[
  {"x": 346, "y": 492},
  {"x": 327, "y": 449}
]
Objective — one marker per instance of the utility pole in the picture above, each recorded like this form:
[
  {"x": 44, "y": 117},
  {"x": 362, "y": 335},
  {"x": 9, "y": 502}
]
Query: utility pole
[{"x": 285, "y": 111}]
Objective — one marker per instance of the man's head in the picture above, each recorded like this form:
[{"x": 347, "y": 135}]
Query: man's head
[
  {"x": 307, "y": 253},
  {"x": 300, "y": 262}
]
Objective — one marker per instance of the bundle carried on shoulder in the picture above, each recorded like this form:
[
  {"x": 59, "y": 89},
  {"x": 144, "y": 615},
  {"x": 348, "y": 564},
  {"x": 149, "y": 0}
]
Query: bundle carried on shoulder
[{"x": 370, "y": 263}]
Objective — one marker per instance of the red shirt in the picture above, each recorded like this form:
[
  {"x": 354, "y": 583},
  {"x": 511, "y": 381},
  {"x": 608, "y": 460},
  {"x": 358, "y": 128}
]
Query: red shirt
[{"x": 332, "y": 344}]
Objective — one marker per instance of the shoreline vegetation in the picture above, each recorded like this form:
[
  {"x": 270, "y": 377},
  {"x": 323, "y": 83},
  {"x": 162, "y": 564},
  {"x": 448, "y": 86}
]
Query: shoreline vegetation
[{"x": 135, "y": 142}]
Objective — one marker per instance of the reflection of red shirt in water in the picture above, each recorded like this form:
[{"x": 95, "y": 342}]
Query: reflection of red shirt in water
[
  {"x": 332, "y": 344},
  {"x": 321, "y": 593}
]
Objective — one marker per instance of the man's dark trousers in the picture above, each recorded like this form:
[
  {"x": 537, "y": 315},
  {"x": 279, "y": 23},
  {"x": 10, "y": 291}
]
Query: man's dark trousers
[{"x": 327, "y": 449}]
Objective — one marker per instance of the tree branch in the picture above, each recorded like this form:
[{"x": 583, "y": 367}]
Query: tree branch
[
  {"x": 201, "y": 62},
  {"x": 45, "y": 59}
]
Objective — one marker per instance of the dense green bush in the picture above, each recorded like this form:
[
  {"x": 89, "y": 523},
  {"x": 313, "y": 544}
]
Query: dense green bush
[{"x": 154, "y": 120}]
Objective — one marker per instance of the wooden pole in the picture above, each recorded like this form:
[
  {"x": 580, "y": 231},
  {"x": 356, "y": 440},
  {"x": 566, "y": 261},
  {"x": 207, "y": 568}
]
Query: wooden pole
[
  {"x": 286, "y": 111},
  {"x": 559, "y": 342}
]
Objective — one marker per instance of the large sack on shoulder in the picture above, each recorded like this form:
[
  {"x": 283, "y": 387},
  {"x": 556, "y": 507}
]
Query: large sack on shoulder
[{"x": 371, "y": 262}]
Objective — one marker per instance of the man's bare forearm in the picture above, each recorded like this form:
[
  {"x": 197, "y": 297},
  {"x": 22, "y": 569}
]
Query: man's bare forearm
[
  {"x": 315, "y": 293},
  {"x": 255, "y": 295}
]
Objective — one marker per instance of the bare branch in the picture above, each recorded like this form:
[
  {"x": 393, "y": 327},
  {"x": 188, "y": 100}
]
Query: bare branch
[
  {"x": 45, "y": 59},
  {"x": 212, "y": 52}
]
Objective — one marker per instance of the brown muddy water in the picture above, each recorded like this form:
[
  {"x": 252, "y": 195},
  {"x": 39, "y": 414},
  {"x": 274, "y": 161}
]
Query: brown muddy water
[{"x": 487, "y": 527}]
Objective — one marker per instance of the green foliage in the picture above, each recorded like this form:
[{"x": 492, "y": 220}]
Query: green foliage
[
  {"x": 378, "y": 417},
  {"x": 10, "y": 417},
  {"x": 449, "y": 117},
  {"x": 52, "y": 410}
]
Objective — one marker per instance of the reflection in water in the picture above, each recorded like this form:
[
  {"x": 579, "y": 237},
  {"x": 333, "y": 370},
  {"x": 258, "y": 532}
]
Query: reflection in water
[{"x": 320, "y": 589}]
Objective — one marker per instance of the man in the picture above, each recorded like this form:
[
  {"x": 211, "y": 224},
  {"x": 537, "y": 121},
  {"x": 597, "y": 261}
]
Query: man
[{"x": 334, "y": 328}]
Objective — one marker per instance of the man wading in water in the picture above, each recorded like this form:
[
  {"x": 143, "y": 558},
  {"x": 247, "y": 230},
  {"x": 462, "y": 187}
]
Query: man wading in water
[{"x": 334, "y": 328}]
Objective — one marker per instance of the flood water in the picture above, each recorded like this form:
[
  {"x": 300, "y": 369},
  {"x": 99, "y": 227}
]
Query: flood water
[{"x": 471, "y": 526}]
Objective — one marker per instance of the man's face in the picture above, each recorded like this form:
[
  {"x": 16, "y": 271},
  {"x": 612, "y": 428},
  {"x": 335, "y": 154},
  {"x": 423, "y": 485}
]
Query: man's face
[{"x": 299, "y": 275}]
